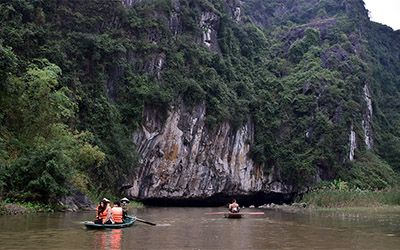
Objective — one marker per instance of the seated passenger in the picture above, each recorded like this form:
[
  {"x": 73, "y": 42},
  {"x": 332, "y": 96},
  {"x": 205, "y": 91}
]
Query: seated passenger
[
  {"x": 117, "y": 213},
  {"x": 106, "y": 215},
  {"x": 99, "y": 212}
]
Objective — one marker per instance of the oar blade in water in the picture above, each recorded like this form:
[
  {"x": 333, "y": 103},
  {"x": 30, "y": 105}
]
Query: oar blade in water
[{"x": 146, "y": 222}]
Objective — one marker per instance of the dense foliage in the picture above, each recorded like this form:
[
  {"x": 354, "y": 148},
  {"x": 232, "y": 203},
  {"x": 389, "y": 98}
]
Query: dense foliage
[{"x": 75, "y": 77}]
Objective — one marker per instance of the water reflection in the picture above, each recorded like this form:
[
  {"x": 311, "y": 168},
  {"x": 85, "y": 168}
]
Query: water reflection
[{"x": 108, "y": 239}]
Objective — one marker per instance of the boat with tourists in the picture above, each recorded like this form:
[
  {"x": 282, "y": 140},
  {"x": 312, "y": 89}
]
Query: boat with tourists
[{"x": 128, "y": 221}]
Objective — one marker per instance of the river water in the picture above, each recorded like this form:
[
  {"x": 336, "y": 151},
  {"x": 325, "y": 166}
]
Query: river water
[{"x": 192, "y": 228}]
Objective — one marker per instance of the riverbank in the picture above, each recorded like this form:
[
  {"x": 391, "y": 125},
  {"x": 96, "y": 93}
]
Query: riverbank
[
  {"x": 23, "y": 208},
  {"x": 15, "y": 208},
  {"x": 304, "y": 208},
  {"x": 328, "y": 199}
]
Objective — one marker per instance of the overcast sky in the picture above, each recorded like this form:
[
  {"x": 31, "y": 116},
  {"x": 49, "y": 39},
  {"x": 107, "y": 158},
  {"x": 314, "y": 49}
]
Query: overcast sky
[{"x": 384, "y": 11}]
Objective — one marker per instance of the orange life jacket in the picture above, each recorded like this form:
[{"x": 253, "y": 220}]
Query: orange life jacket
[
  {"x": 117, "y": 214},
  {"x": 100, "y": 215}
]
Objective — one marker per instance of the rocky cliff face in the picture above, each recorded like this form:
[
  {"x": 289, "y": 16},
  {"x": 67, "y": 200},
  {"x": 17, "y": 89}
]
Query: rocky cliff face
[{"x": 182, "y": 159}]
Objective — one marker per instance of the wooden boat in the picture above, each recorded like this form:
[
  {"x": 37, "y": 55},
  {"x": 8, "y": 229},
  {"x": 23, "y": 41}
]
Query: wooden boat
[
  {"x": 230, "y": 215},
  {"x": 128, "y": 221},
  {"x": 239, "y": 215}
]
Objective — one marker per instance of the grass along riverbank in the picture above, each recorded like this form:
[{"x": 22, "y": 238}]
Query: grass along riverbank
[{"x": 339, "y": 198}]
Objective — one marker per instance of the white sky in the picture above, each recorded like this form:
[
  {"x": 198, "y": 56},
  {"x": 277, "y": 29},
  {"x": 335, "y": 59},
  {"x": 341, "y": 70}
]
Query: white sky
[{"x": 384, "y": 11}]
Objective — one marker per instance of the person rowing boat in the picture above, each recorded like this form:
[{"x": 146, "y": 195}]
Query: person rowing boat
[
  {"x": 124, "y": 205},
  {"x": 234, "y": 207}
]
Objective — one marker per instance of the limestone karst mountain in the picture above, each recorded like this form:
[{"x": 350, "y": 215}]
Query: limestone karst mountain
[{"x": 192, "y": 100}]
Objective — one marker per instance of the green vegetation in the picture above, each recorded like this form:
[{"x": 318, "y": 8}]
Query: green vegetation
[
  {"x": 8, "y": 207},
  {"x": 134, "y": 204},
  {"x": 76, "y": 77},
  {"x": 339, "y": 194},
  {"x": 43, "y": 154}
]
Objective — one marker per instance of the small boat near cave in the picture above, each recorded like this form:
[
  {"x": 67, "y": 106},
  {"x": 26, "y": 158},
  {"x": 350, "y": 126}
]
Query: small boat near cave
[
  {"x": 128, "y": 221},
  {"x": 239, "y": 215},
  {"x": 230, "y": 215}
]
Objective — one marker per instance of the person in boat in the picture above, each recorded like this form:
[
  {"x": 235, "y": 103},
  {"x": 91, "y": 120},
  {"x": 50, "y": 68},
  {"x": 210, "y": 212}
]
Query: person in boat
[
  {"x": 99, "y": 212},
  {"x": 104, "y": 214},
  {"x": 117, "y": 213},
  {"x": 124, "y": 204},
  {"x": 234, "y": 207}
]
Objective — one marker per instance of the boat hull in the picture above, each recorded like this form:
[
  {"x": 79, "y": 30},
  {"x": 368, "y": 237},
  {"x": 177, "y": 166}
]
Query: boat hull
[
  {"x": 129, "y": 221},
  {"x": 233, "y": 215}
]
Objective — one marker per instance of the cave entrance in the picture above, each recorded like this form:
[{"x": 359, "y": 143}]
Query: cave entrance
[{"x": 256, "y": 199}]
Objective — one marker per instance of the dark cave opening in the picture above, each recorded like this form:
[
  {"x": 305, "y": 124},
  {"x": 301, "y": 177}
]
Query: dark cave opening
[{"x": 217, "y": 200}]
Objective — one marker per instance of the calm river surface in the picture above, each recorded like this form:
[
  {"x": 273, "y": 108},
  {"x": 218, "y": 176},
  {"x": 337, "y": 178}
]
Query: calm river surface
[{"x": 191, "y": 228}]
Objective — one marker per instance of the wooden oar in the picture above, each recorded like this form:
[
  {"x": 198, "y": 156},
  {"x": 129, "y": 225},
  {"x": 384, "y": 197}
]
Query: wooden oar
[
  {"x": 249, "y": 213},
  {"x": 253, "y": 213},
  {"x": 147, "y": 222}
]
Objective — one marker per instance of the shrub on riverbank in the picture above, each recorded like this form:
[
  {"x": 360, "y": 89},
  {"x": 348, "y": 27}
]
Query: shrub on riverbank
[{"x": 23, "y": 208}]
